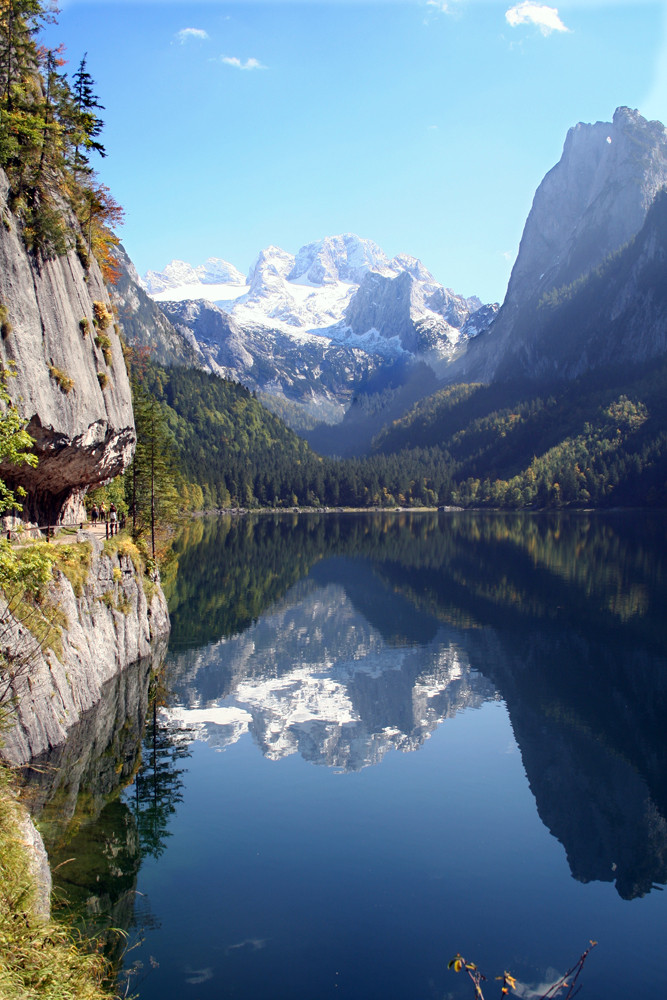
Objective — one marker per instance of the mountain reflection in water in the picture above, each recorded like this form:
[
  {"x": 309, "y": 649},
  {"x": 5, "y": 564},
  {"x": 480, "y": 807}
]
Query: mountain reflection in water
[
  {"x": 335, "y": 640},
  {"x": 340, "y": 637}
]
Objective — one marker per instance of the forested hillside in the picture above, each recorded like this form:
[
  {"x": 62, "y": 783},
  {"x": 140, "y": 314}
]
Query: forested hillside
[
  {"x": 599, "y": 441},
  {"x": 231, "y": 451}
]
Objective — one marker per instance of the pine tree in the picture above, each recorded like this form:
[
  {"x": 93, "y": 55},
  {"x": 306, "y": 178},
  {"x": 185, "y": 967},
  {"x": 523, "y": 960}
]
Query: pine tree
[
  {"x": 86, "y": 126},
  {"x": 56, "y": 97},
  {"x": 21, "y": 88},
  {"x": 151, "y": 481}
]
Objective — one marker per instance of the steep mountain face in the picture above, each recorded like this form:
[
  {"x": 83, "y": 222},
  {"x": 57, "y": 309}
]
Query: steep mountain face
[
  {"x": 587, "y": 207},
  {"x": 70, "y": 381},
  {"x": 144, "y": 323},
  {"x": 316, "y": 374},
  {"x": 427, "y": 319},
  {"x": 616, "y": 316},
  {"x": 316, "y": 327}
]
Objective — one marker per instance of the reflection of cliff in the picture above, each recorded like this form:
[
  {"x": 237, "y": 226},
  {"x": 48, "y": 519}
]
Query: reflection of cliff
[
  {"x": 90, "y": 835},
  {"x": 314, "y": 677},
  {"x": 98, "y": 758},
  {"x": 588, "y": 716}
]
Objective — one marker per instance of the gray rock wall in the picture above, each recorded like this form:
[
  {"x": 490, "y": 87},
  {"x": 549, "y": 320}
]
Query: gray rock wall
[
  {"x": 110, "y": 625},
  {"x": 589, "y": 205},
  {"x": 85, "y": 433},
  {"x": 38, "y": 861}
]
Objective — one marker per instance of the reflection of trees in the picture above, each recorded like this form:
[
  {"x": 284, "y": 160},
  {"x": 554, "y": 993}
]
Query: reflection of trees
[
  {"x": 95, "y": 876},
  {"x": 95, "y": 835},
  {"x": 564, "y": 613},
  {"x": 237, "y": 568},
  {"x": 461, "y": 568},
  {"x": 158, "y": 783}
]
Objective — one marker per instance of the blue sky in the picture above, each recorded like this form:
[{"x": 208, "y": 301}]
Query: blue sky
[{"x": 423, "y": 126}]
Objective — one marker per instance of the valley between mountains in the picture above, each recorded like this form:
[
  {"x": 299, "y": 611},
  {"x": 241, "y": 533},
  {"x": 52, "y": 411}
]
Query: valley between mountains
[{"x": 553, "y": 398}]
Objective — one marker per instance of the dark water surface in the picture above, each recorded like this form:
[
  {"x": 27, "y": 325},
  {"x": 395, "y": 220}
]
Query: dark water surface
[{"x": 380, "y": 740}]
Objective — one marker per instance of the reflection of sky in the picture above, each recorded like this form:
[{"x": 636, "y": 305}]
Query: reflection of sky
[
  {"x": 314, "y": 677},
  {"x": 295, "y": 881}
]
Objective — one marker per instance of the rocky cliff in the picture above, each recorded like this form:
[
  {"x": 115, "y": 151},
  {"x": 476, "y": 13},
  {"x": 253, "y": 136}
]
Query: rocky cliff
[
  {"x": 116, "y": 617},
  {"x": 616, "y": 316},
  {"x": 591, "y": 204},
  {"x": 144, "y": 324},
  {"x": 427, "y": 319},
  {"x": 71, "y": 383}
]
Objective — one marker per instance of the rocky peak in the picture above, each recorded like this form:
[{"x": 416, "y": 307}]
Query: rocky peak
[
  {"x": 403, "y": 262},
  {"x": 177, "y": 272},
  {"x": 592, "y": 203},
  {"x": 215, "y": 271},
  {"x": 337, "y": 258},
  {"x": 272, "y": 266},
  {"x": 425, "y": 317}
]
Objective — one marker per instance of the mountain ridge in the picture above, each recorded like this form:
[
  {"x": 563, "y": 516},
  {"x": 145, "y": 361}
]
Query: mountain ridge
[{"x": 315, "y": 328}]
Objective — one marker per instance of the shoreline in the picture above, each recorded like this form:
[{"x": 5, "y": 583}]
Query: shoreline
[{"x": 244, "y": 511}]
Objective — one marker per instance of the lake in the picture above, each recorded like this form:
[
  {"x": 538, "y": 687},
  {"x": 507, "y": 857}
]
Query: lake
[{"x": 379, "y": 740}]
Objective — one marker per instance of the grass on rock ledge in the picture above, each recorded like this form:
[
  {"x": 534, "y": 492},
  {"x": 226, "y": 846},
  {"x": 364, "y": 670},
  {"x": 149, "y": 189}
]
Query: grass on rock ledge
[{"x": 121, "y": 545}]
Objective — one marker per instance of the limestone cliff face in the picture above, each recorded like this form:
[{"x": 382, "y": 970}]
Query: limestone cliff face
[
  {"x": 592, "y": 203},
  {"x": 74, "y": 392},
  {"x": 110, "y": 624},
  {"x": 617, "y": 317}
]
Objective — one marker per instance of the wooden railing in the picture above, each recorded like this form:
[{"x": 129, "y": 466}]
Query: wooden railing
[{"x": 112, "y": 528}]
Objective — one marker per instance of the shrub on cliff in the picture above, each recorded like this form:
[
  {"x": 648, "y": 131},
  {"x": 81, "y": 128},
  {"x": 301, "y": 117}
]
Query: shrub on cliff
[{"x": 15, "y": 442}]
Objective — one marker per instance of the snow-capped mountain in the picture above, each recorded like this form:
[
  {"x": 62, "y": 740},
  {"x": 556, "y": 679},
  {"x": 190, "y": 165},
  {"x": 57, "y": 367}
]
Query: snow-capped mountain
[
  {"x": 217, "y": 275},
  {"x": 315, "y": 292},
  {"x": 314, "y": 327}
]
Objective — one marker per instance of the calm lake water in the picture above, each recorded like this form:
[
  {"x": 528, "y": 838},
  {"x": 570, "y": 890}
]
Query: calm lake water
[{"x": 380, "y": 740}]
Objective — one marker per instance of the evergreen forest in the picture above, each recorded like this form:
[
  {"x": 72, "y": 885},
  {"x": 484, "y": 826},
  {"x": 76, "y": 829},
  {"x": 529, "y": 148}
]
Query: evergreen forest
[{"x": 599, "y": 441}]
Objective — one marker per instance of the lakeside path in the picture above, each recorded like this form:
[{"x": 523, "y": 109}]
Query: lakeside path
[{"x": 64, "y": 534}]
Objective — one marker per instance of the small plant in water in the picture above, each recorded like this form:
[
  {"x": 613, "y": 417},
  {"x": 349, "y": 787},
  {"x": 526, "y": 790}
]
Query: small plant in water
[{"x": 508, "y": 982}]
